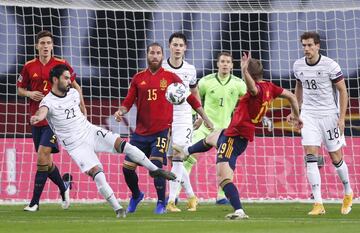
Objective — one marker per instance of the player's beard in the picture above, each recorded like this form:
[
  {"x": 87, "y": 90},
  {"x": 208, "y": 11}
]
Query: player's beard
[
  {"x": 154, "y": 66},
  {"x": 64, "y": 89}
]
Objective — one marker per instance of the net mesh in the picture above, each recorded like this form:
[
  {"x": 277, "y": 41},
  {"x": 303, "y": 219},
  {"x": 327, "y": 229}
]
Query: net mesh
[{"x": 105, "y": 42}]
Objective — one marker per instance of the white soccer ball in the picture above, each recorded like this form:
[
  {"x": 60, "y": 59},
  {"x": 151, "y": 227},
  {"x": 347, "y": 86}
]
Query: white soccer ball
[{"x": 176, "y": 93}]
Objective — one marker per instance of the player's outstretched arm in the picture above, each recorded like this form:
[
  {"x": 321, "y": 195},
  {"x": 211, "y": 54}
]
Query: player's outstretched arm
[
  {"x": 295, "y": 113},
  {"x": 39, "y": 115},
  {"x": 249, "y": 81}
]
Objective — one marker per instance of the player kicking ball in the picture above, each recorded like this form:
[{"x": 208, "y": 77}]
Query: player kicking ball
[
  {"x": 232, "y": 142},
  {"x": 83, "y": 140}
]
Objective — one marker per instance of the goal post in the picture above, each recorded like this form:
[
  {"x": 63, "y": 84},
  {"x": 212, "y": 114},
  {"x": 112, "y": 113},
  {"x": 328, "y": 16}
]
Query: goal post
[{"x": 105, "y": 42}]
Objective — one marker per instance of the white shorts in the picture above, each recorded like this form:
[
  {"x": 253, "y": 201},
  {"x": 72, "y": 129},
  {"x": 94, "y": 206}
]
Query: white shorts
[
  {"x": 181, "y": 135},
  {"x": 322, "y": 129},
  {"x": 98, "y": 140}
]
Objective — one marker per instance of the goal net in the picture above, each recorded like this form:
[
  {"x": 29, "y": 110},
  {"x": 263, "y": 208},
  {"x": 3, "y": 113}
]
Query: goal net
[{"x": 105, "y": 42}]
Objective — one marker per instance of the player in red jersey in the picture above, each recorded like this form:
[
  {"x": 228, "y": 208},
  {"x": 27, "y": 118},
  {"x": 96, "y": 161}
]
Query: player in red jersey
[
  {"x": 33, "y": 82},
  {"x": 154, "y": 118},
  {"x": 233, "y": 141}
]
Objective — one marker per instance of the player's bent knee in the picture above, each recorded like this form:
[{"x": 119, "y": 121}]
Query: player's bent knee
[
  {"x": 94, "y": 171},
  {"x": 310, "y": 158},
  {"x": 321, "y": 161},
  {"x": 51, "y": 168},
  {"x": 42, "y": 167},
  {"x": 212, "y": 138},
  {"x": 177, "y": 158},
  {"x": 120, "y": 145},
  {"x": 44, "y": 157},
  {"x": 224, "y": 182},
  {"x": 129, "y": 165}
]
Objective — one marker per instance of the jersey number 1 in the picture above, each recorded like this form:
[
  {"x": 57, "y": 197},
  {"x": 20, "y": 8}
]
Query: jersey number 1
[{"x": 263, "y": 109}]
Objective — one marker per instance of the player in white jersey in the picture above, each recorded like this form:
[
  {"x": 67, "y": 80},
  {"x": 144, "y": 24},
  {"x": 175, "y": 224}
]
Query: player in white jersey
[
  {"x": 83, "y": 140},
  {"x": 182, "y": 127},
  {"x": 321, "y": 92}
]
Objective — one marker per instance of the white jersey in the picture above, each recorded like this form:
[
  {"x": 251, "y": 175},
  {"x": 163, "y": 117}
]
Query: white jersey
[
  {"x": 187, "y": 73},
  {"x": 320, "y": 97},
  {"x": 66, "y": 119}
]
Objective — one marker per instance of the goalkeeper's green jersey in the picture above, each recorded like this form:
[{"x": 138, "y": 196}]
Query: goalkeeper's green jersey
[{"x": 220, "y": 97}]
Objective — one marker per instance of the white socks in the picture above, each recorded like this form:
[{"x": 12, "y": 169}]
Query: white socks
[
  {"x": 137, "y": 156},
  {"x": 343, "y": 172},
  {"x": 314, "y": 178},
  {"x": 177, "y": 169},
  {"x": 106, "y": 191},
  {"x": 186, "y": 183}
]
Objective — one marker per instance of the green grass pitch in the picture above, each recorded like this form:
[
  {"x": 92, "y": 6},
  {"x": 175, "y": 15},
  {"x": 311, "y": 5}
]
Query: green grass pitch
[{"x": 95, "y": 218}]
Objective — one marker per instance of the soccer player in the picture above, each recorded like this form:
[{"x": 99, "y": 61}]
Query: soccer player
[
  {"x": 321, "y": 91},
  {"x": 233, "y": 141},
  {"x": 153, "y": 121},
  {"x": 182, "y": 126},
  {"x": 33, "y": 82},
  {"x": 83, "y": 140},
  {"x": 219, "y": 93}
]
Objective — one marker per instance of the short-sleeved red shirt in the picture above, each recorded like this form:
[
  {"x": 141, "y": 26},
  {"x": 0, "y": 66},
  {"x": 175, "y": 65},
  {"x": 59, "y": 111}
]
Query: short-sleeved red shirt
[{"x": 35, "y": 77}]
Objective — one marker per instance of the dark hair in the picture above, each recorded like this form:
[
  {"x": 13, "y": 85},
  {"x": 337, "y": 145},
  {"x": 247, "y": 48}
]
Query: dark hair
[
  {"x": 43, "y": 33},
  {"x": 310, "y": 35},
  {"x": 153, "y": 45},
  {"x": 255, "y": 69},
  {"x": 178, "y": 35},
  {"x": 57, "y": 71},
  {"x": 226, "y": 54}
]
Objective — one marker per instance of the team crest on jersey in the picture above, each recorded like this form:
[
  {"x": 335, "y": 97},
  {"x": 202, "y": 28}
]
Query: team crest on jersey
[
  {"x": 163, "y": 84},
  {"x": 35, "y": 75},
  {"x": 143, "y": 83},
  {"x": 20, "y": 78}
]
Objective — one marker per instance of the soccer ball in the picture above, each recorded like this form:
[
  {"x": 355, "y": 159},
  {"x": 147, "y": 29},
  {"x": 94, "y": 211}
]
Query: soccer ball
[{"x": 176, "y": 93}]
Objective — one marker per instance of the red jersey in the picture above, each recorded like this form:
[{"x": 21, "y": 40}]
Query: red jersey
[
  {"x": 251, "y": 109},
  {"x": 35, "y": 77},
  {"x": 147, "y": 90}
]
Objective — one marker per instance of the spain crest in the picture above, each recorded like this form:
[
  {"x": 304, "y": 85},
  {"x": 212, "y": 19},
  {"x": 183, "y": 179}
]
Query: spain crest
[{"x": 163, "y": 84}]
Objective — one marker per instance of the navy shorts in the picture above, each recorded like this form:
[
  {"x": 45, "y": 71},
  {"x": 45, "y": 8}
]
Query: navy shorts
[
  {"x": 44, "y": 136},
  {"x": 229, "y": 148},
  {"x": 155, "y": 145}
]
